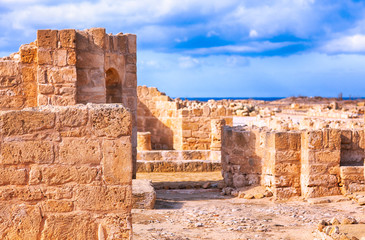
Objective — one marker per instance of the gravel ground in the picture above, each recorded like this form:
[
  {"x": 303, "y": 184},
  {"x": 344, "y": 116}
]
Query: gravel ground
[{"x": 206, "y": 214}]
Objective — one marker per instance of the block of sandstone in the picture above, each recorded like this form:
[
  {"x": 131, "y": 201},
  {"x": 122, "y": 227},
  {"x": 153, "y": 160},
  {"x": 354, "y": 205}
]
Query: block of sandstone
[{"x": 144, "y": 195}]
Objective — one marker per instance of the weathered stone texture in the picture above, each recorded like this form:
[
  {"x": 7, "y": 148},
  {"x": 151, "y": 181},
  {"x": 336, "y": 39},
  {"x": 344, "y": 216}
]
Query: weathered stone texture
[
  {"x": 51, "y": 181},
  {"x": 310, "y": 163}
]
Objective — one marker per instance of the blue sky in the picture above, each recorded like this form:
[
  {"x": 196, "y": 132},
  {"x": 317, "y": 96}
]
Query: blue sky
[{"x": 215, "y": 48}]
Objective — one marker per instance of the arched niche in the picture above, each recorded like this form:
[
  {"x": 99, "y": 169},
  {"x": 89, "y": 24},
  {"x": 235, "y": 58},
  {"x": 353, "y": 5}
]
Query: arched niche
[{"x": 113, "y": 85}]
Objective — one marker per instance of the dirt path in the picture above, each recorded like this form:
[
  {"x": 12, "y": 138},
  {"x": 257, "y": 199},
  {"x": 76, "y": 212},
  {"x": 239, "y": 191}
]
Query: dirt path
[{"x": 205, "y": 214}]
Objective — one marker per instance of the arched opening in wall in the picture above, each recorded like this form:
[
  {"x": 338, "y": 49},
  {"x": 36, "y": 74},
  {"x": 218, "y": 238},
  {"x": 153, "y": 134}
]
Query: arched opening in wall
[{"x": 113, "y": 85}]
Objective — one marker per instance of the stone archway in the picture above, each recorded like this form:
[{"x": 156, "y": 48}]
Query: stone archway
[{"x": 113, "y": 85}]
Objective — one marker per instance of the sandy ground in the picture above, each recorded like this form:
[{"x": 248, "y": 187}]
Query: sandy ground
[{"x": 206, "y": 214}]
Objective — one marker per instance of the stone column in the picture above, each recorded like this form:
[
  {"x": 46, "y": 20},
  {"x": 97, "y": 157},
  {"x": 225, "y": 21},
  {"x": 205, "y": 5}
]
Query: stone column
[
  {"x": 216, "y": 134},
  {"x": 144, "y": 141}
]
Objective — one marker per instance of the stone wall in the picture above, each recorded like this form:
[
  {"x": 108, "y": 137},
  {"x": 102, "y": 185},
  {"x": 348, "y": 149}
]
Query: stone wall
[
  {"x": 294, "y": 163},
  {"x": 66, "y": 67},
  {"x": 66, "y": 173},
  {"x": 175, "y": 125}
]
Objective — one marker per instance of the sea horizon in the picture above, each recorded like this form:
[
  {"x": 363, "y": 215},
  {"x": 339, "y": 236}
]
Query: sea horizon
[{"x": 205, "y": 99}]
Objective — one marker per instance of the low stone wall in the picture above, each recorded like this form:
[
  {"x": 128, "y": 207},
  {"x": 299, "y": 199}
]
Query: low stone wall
[
  {"x": 293, "y": 163},
  {"x": 66, "y": 173},
  {"x": 178, "y": 161}
]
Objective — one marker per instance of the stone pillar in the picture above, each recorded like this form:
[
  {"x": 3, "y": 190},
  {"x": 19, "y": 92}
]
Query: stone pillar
[
  {"x": 320, "y": 163},
  {"x": 144, "y": 141},
  {"x": 216, "y": 134}
]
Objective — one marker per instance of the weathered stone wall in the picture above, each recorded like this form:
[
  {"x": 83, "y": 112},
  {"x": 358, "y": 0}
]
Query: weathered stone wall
[
  {"x": 158, "y": 115},
  {"x": 65, "y": 67},
  {"x": 174, "y": 125},
  {"x": 66, "y": 173},
  {"x": 18, "y": 87},
  {"x": 294, "y": 163}
]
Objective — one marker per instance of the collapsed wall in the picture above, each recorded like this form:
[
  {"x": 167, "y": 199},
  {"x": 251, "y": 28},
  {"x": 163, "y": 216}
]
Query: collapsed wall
[
  {"x": 66, "y": 168},
  {"x": 308, "y": 163}
]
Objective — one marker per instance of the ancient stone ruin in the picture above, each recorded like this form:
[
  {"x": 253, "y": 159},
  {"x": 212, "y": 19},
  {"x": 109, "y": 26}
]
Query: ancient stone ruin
[
  {"x": 70, "y": 110},
  {"x": 64, "y": 164}
]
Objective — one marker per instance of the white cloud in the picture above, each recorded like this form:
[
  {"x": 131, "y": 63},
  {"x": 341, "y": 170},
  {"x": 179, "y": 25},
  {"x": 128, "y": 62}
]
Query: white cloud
[
  {"x": 347, "y": 44},
  {"x": 253, "y": 33},
  {"x": 253, "y": 47},
  {"x": 188, "y": 62}
]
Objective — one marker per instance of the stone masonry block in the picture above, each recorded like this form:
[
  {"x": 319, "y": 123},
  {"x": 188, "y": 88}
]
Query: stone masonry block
[
  {"x": 47, "y": 38},
  {"x": 79, "y": 227},
  {"x": 98, "y": 35},
  {"x": 73, "y": 116},
  {"x": 67, "y": 38},
  {"x": 28, "y": 54},
  {"x": 24, "y": 122},
  {"x": 132, "y": 43},
  {"x": 40, "y": 152},
  {"x": 117, "y": 161},
  {"x": 12, "y": 176},
  {"x": 61, "y": 174},
  {"x": 20, "y": 221},
  {"x": 44, "y": 56},
  {"x": 103, "y": 198},
  {"x": 57, "y": 206},
  {"x": 79, "y": 151},
  {"x": 110, "y": 120}
]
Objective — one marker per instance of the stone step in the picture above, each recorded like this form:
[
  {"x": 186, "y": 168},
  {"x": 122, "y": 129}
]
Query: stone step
[{"x": 179, "y": 166}]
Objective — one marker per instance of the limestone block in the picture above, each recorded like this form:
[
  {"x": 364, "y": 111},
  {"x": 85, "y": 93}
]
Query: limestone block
[
  {"x": 60, "y": 57},
  {"x": 117, "y": 161},
  {"x": 61, "y": 174},
  {"x": 67, "y": 38},
  {"x": 71, "y": 57},
  {"x": 152, "y": 155},
  {"x": 103, "y": 198},
  {"x": 116, "y": 226},
  {"x": 132, "y": 59},
  {"x": 314, "y": 139},
  {"x": 287, "y": 181},
  {"x": 44, "y": 56},
  {"x": 60, "y": 75},
  {"x": 12, "y": 176},
  {"x": 79, "y": 151},
  {"x": 90, "y": 60},
  {"x": 328, "y": 157},
  {"x": 8, "y": 74},
  {"x": 28, "y": 54},
  {"x": 130, "y": 80},
  {"x": 47, "y": 38},
  {"x": 19, "y": 221},
  {"x": 27, "y": 152},
  {"x": 291, "y": 168},
  {"x": 79, "y": 227},
  {"x": 57, "y": 100},
  {"x": 132, "y": 43},
  {"x": 286, "y": 193},
  {"x": 110, "y": 121},
  {"x": 319, "y": 191},
  {"x": 144, "y": 195},
  {"x": 322, "y": 180},
  {"x": 353, "y": 173},
  {"x": 144, "y": 141},
  {"x": 98, "y": 36},
  {"x": 45, "y": 88},
  {"x": 283, "y": 156},
  {"x": 57, "y": 206}
]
